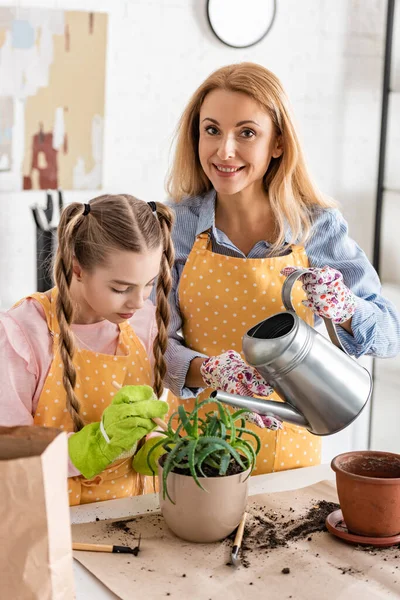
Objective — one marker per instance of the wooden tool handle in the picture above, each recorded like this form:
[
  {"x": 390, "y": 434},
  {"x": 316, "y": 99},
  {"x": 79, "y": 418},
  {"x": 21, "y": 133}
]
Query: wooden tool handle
[
  {"x": 92, "y": 547},
  {"x": 162, "y": 424},
  {"x": 240, "y": 531}
]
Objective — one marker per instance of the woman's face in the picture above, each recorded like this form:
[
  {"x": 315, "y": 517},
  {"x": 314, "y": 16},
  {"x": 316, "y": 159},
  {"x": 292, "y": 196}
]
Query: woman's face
[
  {"x": 118, "y": 289},
  {"x": 237, "y": 142}
]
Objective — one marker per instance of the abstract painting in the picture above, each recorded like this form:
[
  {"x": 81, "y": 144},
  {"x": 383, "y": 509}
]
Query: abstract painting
[{"x": 52, "y": 87}]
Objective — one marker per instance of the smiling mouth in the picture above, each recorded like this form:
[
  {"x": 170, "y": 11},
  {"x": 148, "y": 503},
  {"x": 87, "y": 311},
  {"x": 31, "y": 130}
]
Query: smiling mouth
[{"x": 223, "y": 169}]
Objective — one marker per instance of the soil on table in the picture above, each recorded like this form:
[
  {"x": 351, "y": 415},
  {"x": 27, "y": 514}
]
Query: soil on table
[{"x": 266, "y": 529}]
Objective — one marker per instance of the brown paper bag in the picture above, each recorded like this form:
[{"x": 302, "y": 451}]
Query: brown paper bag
[{"x": 35, "y": 534}]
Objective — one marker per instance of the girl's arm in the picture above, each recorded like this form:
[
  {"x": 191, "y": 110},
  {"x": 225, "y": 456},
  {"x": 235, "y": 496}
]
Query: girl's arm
[
  {"x": 18, "y": 375},
  {"x": 20, "y": 370},
  {"x": 375, "y": 325}
]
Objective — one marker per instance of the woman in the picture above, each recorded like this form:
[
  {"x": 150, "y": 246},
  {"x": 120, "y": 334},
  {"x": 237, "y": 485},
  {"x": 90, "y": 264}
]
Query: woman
[{"x": 246, "y": 209}]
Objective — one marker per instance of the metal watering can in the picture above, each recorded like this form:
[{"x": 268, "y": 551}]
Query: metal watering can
[{"x": 324, "y": 389}]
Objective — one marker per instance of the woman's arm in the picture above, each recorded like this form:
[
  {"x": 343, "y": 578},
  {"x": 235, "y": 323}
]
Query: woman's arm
[
  {"x": 375, "y": 325},
  {"x": 183, "y": 364},
  {"x": 193, "y": 377}
]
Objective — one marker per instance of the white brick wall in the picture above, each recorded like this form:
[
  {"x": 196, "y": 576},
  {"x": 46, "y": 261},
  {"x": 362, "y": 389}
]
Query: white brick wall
[{"x": 329, "y": 55}]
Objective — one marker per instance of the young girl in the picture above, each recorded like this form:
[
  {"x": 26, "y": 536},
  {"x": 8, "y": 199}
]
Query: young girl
[
  {"x": 62, "y": 351},
  {"x": 246, "y": 209}
]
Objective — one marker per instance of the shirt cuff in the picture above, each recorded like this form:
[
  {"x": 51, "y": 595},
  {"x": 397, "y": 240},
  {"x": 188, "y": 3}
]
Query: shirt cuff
[
  {"x": 363, "y": 326},
  {"x": 178, "y": 363}
]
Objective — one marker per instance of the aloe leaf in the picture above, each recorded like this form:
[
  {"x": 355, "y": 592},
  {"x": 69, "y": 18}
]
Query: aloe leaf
[
  {"x": 222, "y": 431},
  {"x": 240, "y": 412},
  {"x": 207, "y": 401},
  {"x": 247, "y": 449},
  {"x": 212, "y": 462},
  {"x": 204, "y": 454},
  {"x": 193, "y": 461},
  {"x": 222, "y": 415},
  {"x": 157, "y": 445},
  {"x": 185, "y": 420},
  {"x": 180, "y": 465},
  {"x": 224, "y": 445},
  {"x": 183, "y": 452},
  {"x": 171, "y": 433},
  {"x": 213, "y": 426},
  {"x": 195, "y": 427},
  {"x": 254, "y": 435},
  {"x": 232, "y": 428},
  {"x": 168, "y": 466},
  {"x": 225, "y": 460}
]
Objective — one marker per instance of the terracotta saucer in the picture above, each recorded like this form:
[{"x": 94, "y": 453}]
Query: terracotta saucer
[{"x": 336, "y": 525}]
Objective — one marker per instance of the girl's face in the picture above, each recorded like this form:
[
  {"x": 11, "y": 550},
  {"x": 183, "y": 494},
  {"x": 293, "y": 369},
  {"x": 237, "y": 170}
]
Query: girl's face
[
  {"x": 237, "y": 142},
  {"x": 117, "y": 290}
]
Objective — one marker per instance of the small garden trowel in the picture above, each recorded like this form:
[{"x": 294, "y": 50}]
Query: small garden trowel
[{"x": 238, "y": 542}]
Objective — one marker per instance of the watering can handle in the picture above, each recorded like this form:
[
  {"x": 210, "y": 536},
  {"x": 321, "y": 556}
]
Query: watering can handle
[{"x": 287, "y": 303}]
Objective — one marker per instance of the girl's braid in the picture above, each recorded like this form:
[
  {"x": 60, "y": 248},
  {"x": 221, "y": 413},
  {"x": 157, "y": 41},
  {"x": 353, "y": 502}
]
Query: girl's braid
[{"x": 164, "y": 284}]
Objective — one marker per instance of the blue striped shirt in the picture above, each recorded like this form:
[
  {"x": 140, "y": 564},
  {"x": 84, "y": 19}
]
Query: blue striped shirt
[{"x": 375, "y": 324}]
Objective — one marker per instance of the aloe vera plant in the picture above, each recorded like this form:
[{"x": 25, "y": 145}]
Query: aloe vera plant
[{"x": 215, "y": 441}]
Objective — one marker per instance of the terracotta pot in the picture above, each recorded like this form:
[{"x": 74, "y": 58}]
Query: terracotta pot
[
  {"x": 368, "y": 486},
  {"x": 204, "y": 516}
]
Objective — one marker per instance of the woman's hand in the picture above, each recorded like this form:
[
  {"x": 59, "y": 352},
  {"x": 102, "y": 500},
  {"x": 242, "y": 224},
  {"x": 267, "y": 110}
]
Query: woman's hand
[
  {"x": 229, "y": 372},
  {"x": 263, "y": 421},
  {"x": 327, "y": 295}
]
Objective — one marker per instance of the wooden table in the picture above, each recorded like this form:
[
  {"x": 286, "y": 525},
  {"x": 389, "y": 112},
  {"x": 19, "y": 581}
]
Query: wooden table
[{"x": 88, "y": 587}]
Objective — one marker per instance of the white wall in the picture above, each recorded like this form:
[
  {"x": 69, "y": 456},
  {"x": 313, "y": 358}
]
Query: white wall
[
  {"x": 329, "y": 55},
  {"x": 386, "y": 406}
]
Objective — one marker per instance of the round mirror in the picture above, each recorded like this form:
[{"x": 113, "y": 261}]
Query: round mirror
[{"x": 241, "y": 24}]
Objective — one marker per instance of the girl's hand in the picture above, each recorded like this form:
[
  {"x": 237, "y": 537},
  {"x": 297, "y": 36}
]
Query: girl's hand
[
  {"x": 327, "y": 295},
  {"x": 124, "y": 422}
]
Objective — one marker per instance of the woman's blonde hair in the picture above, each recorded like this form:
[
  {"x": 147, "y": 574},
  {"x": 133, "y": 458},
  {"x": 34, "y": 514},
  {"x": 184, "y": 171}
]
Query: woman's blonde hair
[
  {"x": 292, "y": 193},
  {"x": 118, "y": 222}
]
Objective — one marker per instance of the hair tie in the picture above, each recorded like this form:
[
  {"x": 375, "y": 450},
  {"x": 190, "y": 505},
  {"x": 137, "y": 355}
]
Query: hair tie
[
  {"x": 153, "y": 207},
  {"x": 86, "y": 209}
]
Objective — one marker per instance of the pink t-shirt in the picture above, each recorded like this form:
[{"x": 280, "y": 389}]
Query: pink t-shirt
[{"x": 26, "y": 354}]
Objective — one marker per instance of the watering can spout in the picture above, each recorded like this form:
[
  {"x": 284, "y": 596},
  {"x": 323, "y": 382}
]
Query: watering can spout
[{"x": 270, "y": 408}]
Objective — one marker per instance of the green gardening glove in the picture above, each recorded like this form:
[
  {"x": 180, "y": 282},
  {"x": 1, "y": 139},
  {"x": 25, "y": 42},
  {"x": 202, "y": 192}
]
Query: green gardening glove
[
  {"x": 139, "y": 462},
  {"x": 124, "y": 422}
]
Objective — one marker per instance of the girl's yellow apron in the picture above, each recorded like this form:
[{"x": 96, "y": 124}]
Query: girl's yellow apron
[
  {"x": 221, "y": 298},
  {"x": 95, "y": 374}
]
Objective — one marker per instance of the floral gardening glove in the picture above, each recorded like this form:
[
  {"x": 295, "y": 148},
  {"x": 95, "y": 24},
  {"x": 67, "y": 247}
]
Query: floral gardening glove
[
  {"x": 229, "y": 372},
  {"x": 327, "y": 295},
  {"x": 124, "y": 422},
  {"x": 263, "y": 421}
]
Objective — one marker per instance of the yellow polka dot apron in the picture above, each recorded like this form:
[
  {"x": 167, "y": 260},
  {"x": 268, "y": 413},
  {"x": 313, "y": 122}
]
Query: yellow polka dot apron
[
  {"x": 221, "y": 298},
  {"x": 94, "y": 388}
]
